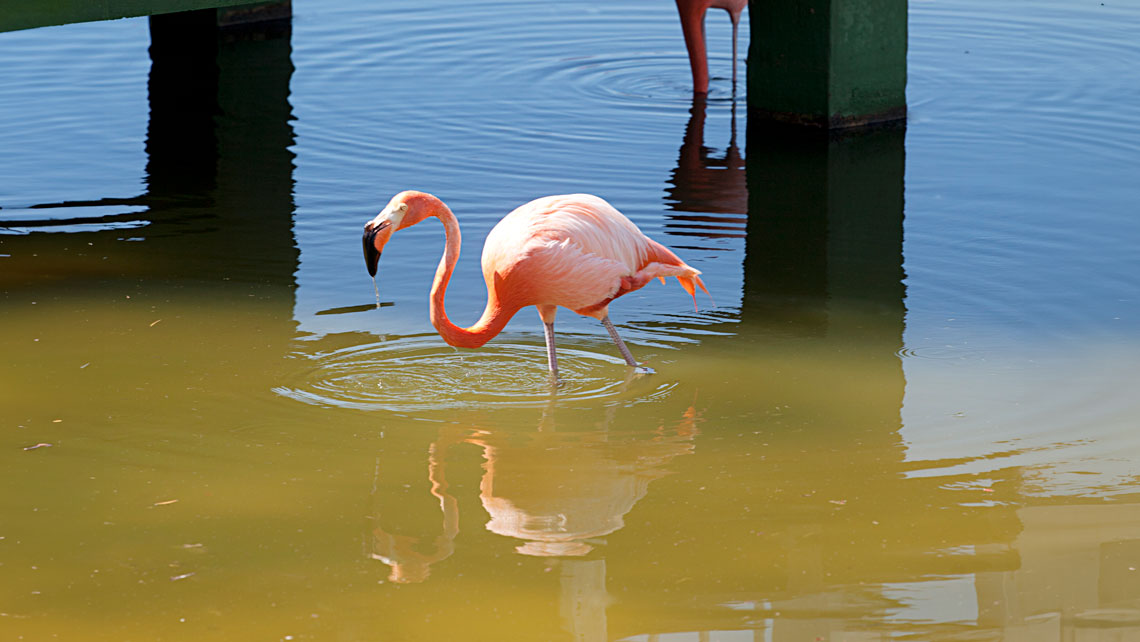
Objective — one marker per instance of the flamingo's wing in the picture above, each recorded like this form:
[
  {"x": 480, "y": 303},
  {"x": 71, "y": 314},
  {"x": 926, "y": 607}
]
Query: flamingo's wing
[{"x": 575, "y": 251}]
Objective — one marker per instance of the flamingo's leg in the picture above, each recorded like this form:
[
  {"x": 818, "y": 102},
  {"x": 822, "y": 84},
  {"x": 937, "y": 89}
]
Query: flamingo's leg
[
  {"x": 735, "y": 16},
  {"x": 547, "y": 314},
  {"x": 693, "y": 28},
  {"x": 551, "y": 356},
  {"x": 617, "y": 340}
]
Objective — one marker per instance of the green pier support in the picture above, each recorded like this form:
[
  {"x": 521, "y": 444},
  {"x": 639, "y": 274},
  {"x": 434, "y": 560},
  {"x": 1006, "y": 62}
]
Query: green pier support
[{"x": 827, "y": 63}]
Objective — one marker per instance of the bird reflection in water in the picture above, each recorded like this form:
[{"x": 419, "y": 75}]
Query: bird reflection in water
[
  {"x": 710, "y": 193},
  {"x": 557, "y": 492},
  {"x": 403, "y": 553}
]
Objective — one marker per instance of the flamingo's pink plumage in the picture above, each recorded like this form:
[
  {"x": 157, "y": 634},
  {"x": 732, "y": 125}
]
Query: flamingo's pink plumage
[{"x": 574, "y": 251}]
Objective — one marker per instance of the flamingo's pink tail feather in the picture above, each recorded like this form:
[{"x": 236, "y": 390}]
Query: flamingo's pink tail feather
[
  {"x": 690, "y": 281},
  {"x": 687, "y": 283},
  {"x": 705, "y": 290}
]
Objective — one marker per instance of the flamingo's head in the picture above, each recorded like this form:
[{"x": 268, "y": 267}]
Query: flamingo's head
[{"x": 404, "y": 210}]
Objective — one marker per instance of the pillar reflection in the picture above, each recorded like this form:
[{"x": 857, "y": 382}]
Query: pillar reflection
[
  {"x": 1076, "y": 578},
  {"x": 219, "y": 171},
  {"x": 825, "y": 228},
  {"x": 219, "y": 141}
]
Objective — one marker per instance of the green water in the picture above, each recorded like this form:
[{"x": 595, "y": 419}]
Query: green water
[{"x": 764, "y": 488}]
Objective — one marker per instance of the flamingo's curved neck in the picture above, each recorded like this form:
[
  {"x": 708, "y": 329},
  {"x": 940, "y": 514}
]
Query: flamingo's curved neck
[{"x": 495, "y": 316}]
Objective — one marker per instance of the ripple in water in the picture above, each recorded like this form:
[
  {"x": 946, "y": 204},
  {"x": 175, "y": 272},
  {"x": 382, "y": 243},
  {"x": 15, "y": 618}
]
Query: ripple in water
[
  {"x": 645, "y": 79},
  {"x": 940, "y": 353},
  {"x": 612, "y": 55},
  {"x": 416, "y": 374}
]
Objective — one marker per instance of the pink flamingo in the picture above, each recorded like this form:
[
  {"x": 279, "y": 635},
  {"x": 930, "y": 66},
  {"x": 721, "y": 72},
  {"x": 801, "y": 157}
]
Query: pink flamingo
[
  {"x": 693, "y": 25},
  {"x": 574, "y": 251}
]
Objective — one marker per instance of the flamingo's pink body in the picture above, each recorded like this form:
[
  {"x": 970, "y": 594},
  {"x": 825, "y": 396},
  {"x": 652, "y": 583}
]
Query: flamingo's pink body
[
  {"x": 573, "y": 251},
  {"x": 693, "y": 25}
]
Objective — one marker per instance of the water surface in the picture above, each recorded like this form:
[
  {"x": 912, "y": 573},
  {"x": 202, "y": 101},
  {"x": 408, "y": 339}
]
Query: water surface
[{"x": 909, "y": 414}]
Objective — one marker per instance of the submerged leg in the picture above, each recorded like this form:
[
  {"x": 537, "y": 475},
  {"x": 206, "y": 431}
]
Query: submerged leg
[
  {"x": 547, "y": 314},
  {"x": 620, "y": 344},
  {"x": 551, "y": 356},
  {"x": 735, "y": 16}
]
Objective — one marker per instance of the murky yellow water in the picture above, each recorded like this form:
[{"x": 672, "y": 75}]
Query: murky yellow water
[{"x": 162, "y": 481}]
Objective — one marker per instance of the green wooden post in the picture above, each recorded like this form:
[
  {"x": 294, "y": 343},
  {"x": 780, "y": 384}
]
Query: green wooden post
[{"x": 827, "y": 63}]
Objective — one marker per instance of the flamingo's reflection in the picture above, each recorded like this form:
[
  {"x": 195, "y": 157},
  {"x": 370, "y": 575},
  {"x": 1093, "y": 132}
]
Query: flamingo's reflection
[
  {"x": 555, "y": 489},
  {"x": 708, "y": 192},
  {"x": 405, "y": 554}
]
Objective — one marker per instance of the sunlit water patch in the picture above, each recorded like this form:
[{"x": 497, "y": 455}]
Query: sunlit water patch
[
  {"x": 1059, "y": 419},
  {"x": 420, "y": 374}
]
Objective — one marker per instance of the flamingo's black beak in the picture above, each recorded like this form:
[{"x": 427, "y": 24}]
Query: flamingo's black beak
[{"x": 371, "y": 252}]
